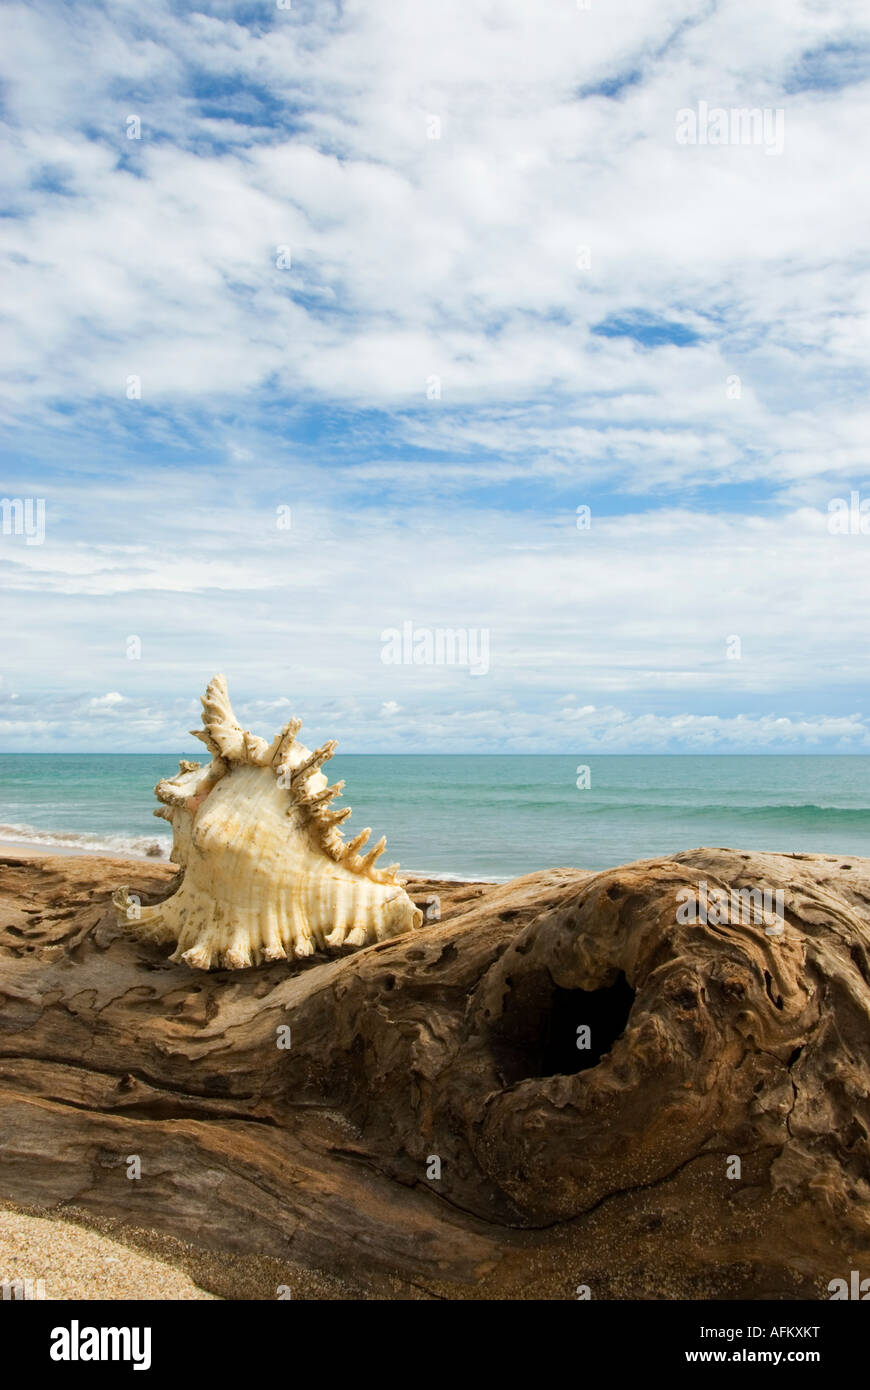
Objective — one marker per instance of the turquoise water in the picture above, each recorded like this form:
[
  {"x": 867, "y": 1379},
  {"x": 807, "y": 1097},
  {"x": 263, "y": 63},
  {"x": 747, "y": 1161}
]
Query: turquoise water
[{"x": 489, "y": 817}]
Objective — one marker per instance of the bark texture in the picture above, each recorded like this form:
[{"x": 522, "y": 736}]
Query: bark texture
[{"x": 455, "y": 1050}]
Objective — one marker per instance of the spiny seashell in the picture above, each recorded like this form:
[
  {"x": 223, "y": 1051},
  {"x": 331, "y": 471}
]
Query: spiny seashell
[{"x": 267, "y": 873}]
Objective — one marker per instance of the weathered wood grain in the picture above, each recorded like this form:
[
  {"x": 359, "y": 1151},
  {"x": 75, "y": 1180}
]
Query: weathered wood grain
[{"x": 459, "y": 1044}]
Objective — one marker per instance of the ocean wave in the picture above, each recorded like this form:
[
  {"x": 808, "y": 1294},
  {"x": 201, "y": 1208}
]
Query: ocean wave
[
  {"x": 446, "y": 877},
  {"x": 85, "y": 842},
  {"x": 805, "y": 812}
]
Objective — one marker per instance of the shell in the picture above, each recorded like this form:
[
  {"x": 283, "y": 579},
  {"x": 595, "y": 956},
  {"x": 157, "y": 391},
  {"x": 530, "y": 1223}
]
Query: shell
[{"x": 267, "y": 873}]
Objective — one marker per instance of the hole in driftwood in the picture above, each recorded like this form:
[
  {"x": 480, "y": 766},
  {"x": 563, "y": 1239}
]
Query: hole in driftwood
[
  {"x": 594, "y": 1019},
  {"x": 538, "y": 1033}
]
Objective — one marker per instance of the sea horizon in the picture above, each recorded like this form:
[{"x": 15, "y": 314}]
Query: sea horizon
[{"x": 482, "y": 815}]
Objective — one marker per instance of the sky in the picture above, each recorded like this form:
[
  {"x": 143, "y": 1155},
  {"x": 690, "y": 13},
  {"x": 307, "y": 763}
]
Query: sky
[{"x": 330, "y": 328}]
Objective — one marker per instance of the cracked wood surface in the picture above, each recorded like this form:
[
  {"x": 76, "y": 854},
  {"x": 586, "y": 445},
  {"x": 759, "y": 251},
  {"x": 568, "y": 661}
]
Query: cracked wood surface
[{"x": 310, "y": 1166}]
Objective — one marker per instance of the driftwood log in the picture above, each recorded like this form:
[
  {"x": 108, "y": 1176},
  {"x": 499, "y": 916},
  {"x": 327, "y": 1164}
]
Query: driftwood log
[{"x": 429, "y": 1126}]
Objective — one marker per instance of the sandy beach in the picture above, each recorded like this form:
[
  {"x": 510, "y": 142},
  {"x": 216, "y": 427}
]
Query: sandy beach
[{"x": 55, "y": 1259}]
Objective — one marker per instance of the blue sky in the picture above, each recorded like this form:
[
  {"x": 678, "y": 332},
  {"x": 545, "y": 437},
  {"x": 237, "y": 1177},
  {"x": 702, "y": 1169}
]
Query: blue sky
[{"x": 425, "y": 280}]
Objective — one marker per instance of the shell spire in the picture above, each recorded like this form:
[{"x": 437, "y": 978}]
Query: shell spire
[
  {"x": 283, "y": 742},
  {"x": 222, "y": 734},
  {"x": 267, "y": 873},
  {"x": 313, "y": 763},
  {"x": 322, "y": 798}
]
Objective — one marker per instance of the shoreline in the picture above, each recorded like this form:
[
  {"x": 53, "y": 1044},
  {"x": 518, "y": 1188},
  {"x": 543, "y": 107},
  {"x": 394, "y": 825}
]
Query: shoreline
[{"x": 29, "y": 849}]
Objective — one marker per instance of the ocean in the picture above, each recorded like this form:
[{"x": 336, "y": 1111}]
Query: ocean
[{"x": 487, "y": 817}]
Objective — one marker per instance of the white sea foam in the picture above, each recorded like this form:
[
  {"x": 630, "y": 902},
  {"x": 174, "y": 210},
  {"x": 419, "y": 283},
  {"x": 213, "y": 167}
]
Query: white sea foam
[
  {"x": 83, "y": 842},
  {"x": 454, "y": 878}
]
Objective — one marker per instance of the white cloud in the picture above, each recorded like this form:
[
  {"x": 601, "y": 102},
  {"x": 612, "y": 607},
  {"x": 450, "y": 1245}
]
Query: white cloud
[
  {"x": 455, "y": 257},
  {"x": 503, "y": 725},
  {"x": 637, "y": 613},
  {"x": 108, "y": 701},
  {"x": 414, "y": 258}
]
